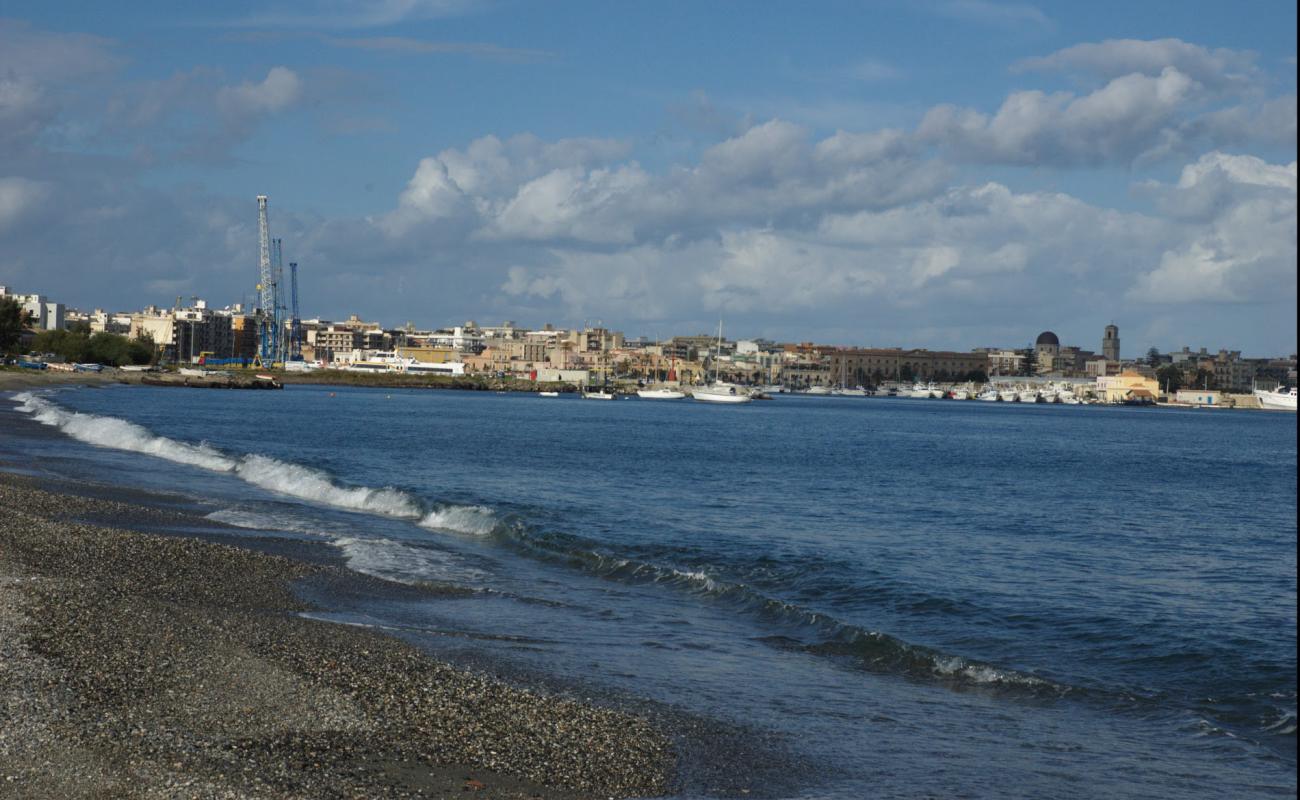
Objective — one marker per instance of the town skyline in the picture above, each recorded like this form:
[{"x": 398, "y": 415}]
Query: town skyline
[{"x": 947, "y": 175}]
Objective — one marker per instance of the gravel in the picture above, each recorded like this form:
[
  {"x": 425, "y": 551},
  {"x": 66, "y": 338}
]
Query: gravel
[{"x": 142, "y": 665}]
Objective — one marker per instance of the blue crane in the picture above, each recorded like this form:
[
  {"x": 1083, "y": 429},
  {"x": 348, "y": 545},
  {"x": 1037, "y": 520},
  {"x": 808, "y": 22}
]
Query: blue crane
[{"x": 295, "y": 322}]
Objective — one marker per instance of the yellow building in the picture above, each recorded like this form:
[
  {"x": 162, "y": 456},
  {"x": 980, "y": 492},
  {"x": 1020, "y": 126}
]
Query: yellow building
[{"x": 1127, "y": 387}]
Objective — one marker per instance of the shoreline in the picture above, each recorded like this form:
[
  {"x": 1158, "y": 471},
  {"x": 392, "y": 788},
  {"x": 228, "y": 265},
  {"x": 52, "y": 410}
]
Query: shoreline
[{"x": 155, "y": 664}]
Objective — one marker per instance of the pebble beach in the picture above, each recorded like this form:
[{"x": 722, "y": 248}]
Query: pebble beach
[{"x": 134, "y": 664}]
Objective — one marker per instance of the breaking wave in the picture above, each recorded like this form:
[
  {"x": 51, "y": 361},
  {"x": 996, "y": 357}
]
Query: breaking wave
[{"x": 272, "y": 474}]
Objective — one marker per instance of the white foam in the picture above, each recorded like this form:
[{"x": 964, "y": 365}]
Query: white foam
[
  {"x": 241, "y": 518},
  {"x": 121, "y": 435},
  {"x": 392, "y": 560},
  {"x": 472, "y": 520},
  {"x": 278, "y": 476},
  {"x": 311, "y": 484}
]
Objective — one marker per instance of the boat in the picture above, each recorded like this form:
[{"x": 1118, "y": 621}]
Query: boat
[
  {"x": 922, "y": 391},
  {"x": 600, "y": 394},
  {"x": 959, "y": 394},
  {"x": 720, "y": 391},
  {"x": 1027, "y": 396},
  {"x": 818, "y": 390},
  {"x": 1008, "y": 395},
  {"x": 843, "y": 390},
  {"x": 989, "y": 395},
  {"x": 660, "y": 394},
  {"x": 548, "y": 394},
  {"x": 1279, "y": 399}
]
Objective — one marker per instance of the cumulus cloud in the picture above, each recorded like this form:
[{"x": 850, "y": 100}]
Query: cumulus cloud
[
  {"x": 1241, "y": 247},
  {"x": 280, "y": 89},
  {"x": 1114, "y": 124},
  {"x": 1217, "y": 68}
]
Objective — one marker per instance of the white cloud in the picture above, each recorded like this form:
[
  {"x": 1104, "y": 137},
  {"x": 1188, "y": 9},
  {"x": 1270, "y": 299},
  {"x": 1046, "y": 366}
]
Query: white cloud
[
  {"x": 1113, "y": 58},
  {"x": 1114, "y": 124},
  {"x": 280, "y": 89},
  {"x": 1240, "y": 213}
]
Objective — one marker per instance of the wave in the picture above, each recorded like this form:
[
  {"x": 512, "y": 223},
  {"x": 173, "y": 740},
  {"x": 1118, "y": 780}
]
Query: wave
[{"x": 272, "y": 474}]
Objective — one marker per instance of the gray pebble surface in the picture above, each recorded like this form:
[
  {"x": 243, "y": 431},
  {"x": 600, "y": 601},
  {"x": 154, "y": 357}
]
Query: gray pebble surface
[{"x": 148, "y": 666}]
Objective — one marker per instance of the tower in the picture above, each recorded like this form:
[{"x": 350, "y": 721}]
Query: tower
[{"x": 1110, "y": 343}]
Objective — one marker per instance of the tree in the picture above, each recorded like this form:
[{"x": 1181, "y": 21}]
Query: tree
[
  {"x": 1170, "y": 377},
  {"x": 13, "y": 321},
  {"x": 905, "y": 374},
  {"x": 1153, "y": 357},
  {"x": 1205, "y": 379}
]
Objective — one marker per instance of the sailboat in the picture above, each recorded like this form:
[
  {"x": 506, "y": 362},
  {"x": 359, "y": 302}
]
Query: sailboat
[
  {"x": 843, "y": 390},
  {"x": 720, "y": 391}
]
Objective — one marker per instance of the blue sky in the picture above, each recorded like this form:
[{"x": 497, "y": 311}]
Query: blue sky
[{"x": 956, "y": 173}]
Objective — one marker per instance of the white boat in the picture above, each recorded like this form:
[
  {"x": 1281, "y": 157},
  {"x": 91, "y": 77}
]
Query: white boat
[
  {"x": 989, "y": 395},
  {"x": 849, "y": 391},
  {"x": 1280, "y": 399},
  {"x": 548, "y": 394},
  {"x": 959, "y": 394},
  {"x": 922, "y": 391},
  {"x": 387, "y": 362},
  {"x": 598, "y": 395},
  {"x": 301, "y": 366},
  {"x": 1027, "y": 395},
  {"x": 720, "y": 391},
  {"x": 660, "y": 394},
  {"x": 771, "y": 388},
  {"x": 817, "y": 390},
  {"x": 193, "y": 373}
]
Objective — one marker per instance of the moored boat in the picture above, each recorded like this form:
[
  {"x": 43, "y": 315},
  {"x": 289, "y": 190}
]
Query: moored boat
[
  {"x": 660, "y": 394},
  {"x": 1279, "y": 399}
]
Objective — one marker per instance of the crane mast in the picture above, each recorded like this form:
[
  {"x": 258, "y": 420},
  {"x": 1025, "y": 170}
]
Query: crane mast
[
  {"x": 295, "y": 322},
  {"x": 268, "y": 322}
]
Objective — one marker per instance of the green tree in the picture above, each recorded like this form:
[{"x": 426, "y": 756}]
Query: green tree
[
  {"x": 906, "y": 374},
  {"x": 1170, "y": 377},
  {"x": 13, "y": 321},
  {"x": 1153, "y": 357},
  {"x": 69, "y": 345},
  {"x": 1205, "y": 380}
]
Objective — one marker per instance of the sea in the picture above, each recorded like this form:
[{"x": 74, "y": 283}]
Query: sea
[{"x": 887, "y": 597}]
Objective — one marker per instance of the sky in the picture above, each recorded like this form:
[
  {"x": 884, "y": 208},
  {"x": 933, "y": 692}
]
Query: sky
[{"x": 948, "y": 174}]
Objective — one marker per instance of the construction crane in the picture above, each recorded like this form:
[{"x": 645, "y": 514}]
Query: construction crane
[
  {"x": 268, "y": 322},
  {"x": 295, "y": 322},
  {"x": 281, "y": 312}
]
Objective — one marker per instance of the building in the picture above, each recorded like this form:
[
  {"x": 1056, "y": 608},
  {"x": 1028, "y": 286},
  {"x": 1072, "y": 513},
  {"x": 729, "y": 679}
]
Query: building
[
  {"x": 46, "y": 314},
  {"x": 1046, "y": 348},
  {"x": 1110, "y": 343},
  {"x": 860, "y": 366},
  {"x": 1128, "y": 387}
]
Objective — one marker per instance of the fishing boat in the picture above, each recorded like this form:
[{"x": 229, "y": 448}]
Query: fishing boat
[
  {"x": 1027, "y": 396},
  {"x": 599, "y": 394},
  {"x": 818, "y": 390},
  {"x": 989, "y": 395},
  {"x": 548, "y": 394}
]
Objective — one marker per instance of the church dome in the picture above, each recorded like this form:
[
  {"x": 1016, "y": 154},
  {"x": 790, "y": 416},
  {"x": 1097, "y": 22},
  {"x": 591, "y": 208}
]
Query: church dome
[{"x": 1047, "y": 337}]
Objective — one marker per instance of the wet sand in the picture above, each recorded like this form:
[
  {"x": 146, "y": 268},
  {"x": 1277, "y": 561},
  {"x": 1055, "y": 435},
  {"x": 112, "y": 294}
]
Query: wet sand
[{"x": 134, "y": 664}]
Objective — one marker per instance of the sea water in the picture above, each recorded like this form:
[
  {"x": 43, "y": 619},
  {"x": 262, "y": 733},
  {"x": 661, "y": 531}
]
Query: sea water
[{"x": 897, "y": 597}]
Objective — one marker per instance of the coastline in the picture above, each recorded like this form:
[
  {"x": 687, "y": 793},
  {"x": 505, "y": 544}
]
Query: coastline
[{"x": 154, "y": 665}]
